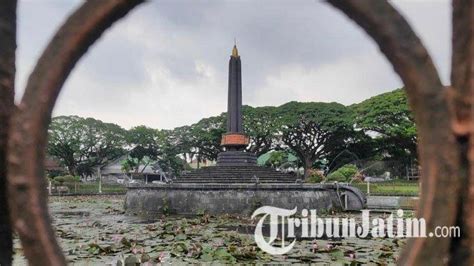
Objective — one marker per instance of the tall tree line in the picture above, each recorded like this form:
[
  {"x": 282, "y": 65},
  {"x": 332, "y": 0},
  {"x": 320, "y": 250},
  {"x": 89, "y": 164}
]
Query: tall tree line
[{"x": 380, "y": 128}]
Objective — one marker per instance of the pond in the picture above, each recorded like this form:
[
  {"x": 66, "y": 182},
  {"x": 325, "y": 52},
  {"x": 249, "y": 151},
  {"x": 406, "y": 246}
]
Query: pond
[{"x": 93, "y": 230}]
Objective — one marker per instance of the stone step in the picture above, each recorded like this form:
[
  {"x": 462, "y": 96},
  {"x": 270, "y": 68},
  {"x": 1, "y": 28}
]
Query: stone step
[
  {"x": 235, "y": 167},
  {"x": 246, "y": 172},
  {"x": 204, "y": 180},
  {"x": 237, "y": 171},
  {"x": 234, "y": 178},
  {"x": 236, "y": 174},
  {"x": 239, "y": 178}
]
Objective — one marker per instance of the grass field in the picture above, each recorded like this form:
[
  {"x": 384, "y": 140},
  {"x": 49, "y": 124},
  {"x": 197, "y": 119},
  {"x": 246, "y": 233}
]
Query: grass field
[
  {"x": 391, "y": 188},
  {"x": 90, "y": 188}
]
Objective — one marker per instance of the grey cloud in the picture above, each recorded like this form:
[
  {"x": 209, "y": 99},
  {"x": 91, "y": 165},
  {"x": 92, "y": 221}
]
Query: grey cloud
[{"x": 165, "y": 64}]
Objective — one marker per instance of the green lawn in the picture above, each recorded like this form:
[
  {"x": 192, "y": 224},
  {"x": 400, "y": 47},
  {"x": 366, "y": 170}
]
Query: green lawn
[
  {"x": 389, "y": 188},
  {"x": 395, "y": 188},
  {"x": 88, "y": 188}
]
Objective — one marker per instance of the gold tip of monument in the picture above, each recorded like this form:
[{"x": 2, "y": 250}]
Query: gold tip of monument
[{"x": 235, "y": 52}]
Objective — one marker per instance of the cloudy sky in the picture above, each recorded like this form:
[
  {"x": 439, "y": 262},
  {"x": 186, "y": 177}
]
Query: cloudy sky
[{"x": 165, "y": 64}]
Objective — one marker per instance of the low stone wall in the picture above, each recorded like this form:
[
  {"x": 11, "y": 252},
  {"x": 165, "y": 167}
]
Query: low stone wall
[
  {"x": 392, "y": 202},
  {"x": 192, "y": 198}
]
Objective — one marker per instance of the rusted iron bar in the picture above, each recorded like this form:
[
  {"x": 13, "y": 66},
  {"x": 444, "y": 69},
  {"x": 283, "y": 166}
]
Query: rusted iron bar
[
  {"x": 438, "y": 146},
  {"x": 7, "y": 90},
  {"x": 462, "y": 101},
  {"x": 443, "y": 120},
  {"x": 462, "y": 66},
  {"x": 28, "y": 131}
]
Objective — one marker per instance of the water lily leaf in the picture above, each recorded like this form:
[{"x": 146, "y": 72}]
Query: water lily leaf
[
  {"x": 206, "y": 257},
  {"x": 169, "y": 238},
  {"x": 180, "y": 237},
  {"x": 132, "y": 261},
  {"x": 145, "y": 257}
]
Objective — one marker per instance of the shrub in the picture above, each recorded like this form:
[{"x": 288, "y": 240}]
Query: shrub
[
  {"x": 336, "y": 176},
  {"x": 59, "y": 180},
  {"x": 315, "y": 176},
  {"x": 54, "y": 173},
  {"x": 71, "y": 179},
  {"x": 343, "y": 174},
  {"x": 358, "y": 178}
]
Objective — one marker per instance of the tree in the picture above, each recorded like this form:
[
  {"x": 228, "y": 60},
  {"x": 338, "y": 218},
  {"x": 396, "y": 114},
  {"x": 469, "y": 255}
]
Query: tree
[
  {"x": 84, "y": 143},
  {"x": 203, "y": 139},
  {"x": 313, "y": 130},
  {"x": 145, "y": 146},
  {"x": 276, "y": 159},
  {"x": 150, "y": 146},
  {"x": 443, "y": 116},
  {"x": 388, "y": 119},
  {"x": 358, "y": 146},
  {"x": 182, "y": 139},
  {"x": 261, "y": 124},
  {"x": 169, "y": 156},
  {"x": 206, "y": 137},
  {"x": 129, "y": 165}
]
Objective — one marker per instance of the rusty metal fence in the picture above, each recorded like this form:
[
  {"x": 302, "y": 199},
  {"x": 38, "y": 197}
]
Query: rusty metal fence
[{"x": 444, "y": 118}]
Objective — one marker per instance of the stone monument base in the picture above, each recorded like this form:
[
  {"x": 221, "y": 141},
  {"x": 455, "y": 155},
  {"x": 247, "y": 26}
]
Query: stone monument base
[
  {"x": 236, "y": 158},
  {"x": 236, "y": 174},
  {"x": 213, "y": 198}
]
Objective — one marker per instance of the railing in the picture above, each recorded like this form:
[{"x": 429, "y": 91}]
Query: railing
[{"x": 85, "y": 188}]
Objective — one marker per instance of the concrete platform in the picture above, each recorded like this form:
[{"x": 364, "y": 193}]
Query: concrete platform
[
  {"x": 392, "y": 202},
  {"x": 242, "y": 198}
]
